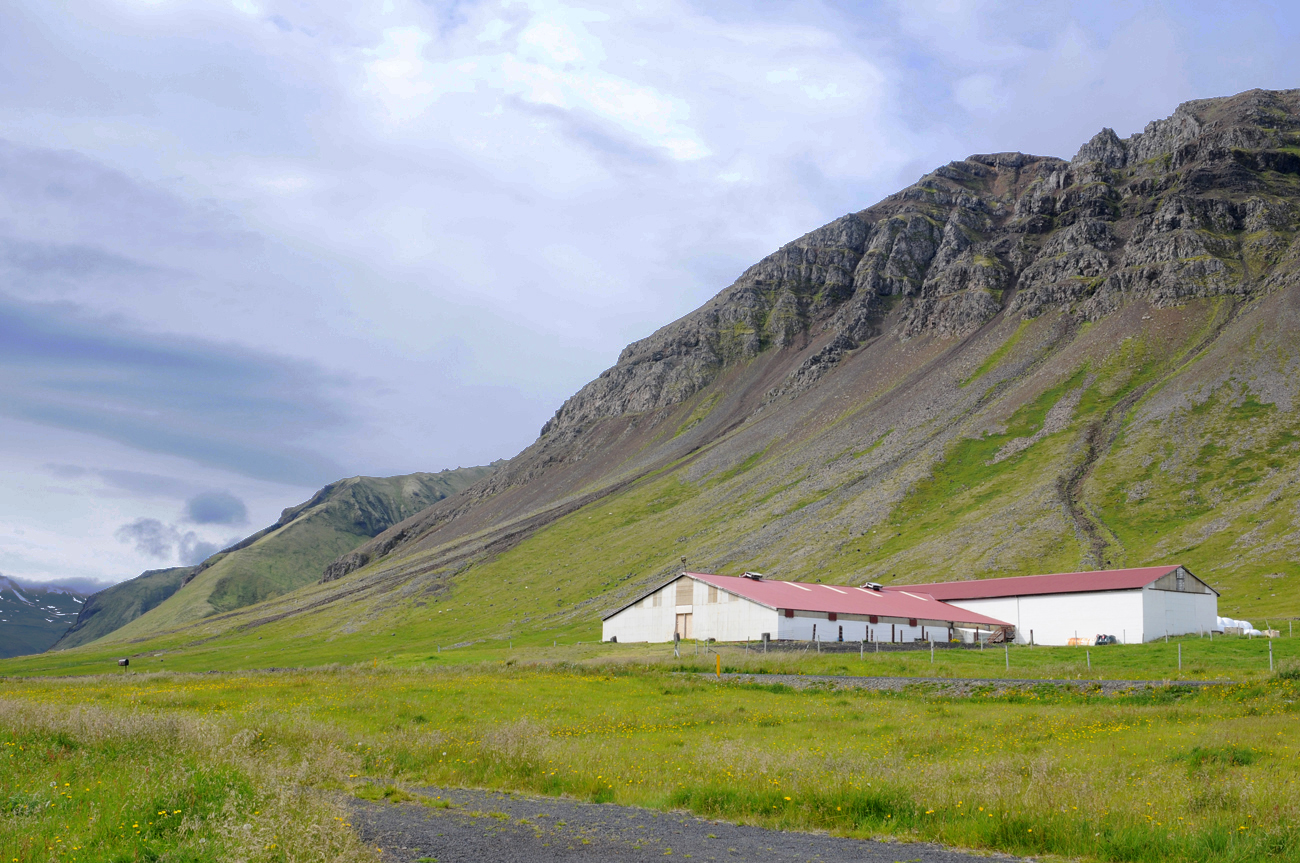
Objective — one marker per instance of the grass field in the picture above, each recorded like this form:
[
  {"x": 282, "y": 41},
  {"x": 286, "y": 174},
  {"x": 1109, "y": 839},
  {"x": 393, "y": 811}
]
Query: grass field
[{"x": 252, "y": 765}]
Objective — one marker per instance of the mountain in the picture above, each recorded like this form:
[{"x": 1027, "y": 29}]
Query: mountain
[
  {"x": 273, "y": 561},
  {"x": 1018, "y": 364},
  {"x": 33, "y": 615},
  {"x": 116, "y": 606}
]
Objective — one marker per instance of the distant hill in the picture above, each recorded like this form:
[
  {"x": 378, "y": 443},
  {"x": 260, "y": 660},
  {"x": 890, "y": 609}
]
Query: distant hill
[
  {"x": 120, "y": 604},
  {"x": 287, "y": 555},
  {"x": 33, "y": 616}
]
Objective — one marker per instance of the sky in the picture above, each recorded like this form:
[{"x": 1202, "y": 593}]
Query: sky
[{"x": 248, "y": 247}]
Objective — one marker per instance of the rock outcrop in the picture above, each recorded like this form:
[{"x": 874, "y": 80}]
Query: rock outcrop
[
  {"x": 1200, "y": 204},
  {"x": 1190, "y": 206}
]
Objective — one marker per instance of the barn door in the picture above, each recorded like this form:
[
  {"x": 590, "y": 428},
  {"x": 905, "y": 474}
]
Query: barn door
[{"x": 684, "y": 627}]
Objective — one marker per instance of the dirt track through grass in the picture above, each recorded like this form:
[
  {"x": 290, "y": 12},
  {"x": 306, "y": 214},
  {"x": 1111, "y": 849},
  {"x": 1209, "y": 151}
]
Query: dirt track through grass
[{"x": 464, "y": 826}]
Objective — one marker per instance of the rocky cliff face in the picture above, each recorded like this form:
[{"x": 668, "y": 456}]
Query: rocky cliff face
[
  {"x": 1196, "y": 205},
  {"x": 829, "y": 388}
]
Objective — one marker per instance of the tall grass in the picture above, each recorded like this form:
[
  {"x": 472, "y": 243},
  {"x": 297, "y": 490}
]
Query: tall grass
[
  {"x": 1171, "y": 774},
  {"x": 102, "y": 784}
]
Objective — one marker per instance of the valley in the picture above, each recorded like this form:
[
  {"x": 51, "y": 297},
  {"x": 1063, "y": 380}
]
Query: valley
[{"x": 1018, "y": 364}]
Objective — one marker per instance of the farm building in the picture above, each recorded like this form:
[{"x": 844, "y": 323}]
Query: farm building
[
  {"x": 1135, "y": 605},
  {"x": 751, "y": 607}
]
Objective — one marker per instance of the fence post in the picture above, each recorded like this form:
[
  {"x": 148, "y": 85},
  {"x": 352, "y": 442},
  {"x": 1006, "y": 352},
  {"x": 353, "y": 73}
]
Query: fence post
[
  {"x": 1006, "y": 650},
  {"x": 1270, "y": 654},
  {"x": 932, "y": 653}
]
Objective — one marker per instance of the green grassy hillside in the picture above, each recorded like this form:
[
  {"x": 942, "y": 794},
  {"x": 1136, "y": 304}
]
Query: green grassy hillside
[
  {"x": 289, "y": 554},
  {"x": 116, "y": 606}
]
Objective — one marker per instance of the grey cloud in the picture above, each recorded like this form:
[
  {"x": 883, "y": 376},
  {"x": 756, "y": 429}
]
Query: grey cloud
[
  {"x": 158, "y": 539},
  {"x": 193, "y": 550},
  {"x": 78, "y": 583},
  {"x": 66, "y": 260},
  {"x": 67, "y": 471},
  {"x": 142, "y": 483},
  {"x": 216, "y": 404},
  {"x": 216, "y": 507},
  {"x": 132, "y": 481},
  {"x": 149, "y": 536}
]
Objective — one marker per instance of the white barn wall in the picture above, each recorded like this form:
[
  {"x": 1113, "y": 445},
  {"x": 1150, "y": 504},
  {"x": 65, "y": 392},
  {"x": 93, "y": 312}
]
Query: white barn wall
[
  {"x": 735, "y": 618},
  {"x": 1056, "y": 617},
  {"x": 1177, "y": 613},
  {"x": 644, "y": 621},
  {"x": 856, "y": 628},
  {"x": 1133, "y": 616},
  {"x": 731, "y": 618}
]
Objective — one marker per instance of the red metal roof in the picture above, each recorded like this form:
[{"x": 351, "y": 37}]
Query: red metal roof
[
  {"x": 1029, "y": 585},
  {"x": 843, "y": 599}
]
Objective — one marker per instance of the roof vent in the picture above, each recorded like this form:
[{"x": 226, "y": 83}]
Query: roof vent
[
  {"x": 757, "y": 576},
  {"x": 873, "y": 585}
]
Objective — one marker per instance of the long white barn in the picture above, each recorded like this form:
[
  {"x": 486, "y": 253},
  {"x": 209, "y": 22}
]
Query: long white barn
[
  {"x": 1134, "y": 605},
  {"x": 750, "y": 607}
]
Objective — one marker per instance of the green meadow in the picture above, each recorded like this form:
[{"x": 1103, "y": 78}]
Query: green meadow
[{"x": 258, "y": 765}]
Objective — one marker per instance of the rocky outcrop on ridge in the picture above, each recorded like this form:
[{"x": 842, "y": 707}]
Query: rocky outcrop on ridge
[
  {"x": 1197, "y": 205},
  {"x": 1194, "y": 205}
]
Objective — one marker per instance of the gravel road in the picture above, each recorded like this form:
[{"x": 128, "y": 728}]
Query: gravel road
[{"x": 493, "y": 827}]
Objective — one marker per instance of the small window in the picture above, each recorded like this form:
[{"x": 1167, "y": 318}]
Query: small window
[
  {"x": 789, "y": 612},
  {"x": 873, "y": 618},
  {"x": 911, "y": 621},
  {"x": 1180, "y": 579},
  {"x": 713, "y": 593},
  {"x": 685, "y": 591},
  {"x": 658, "y": 598},
  {"x": 832, "y": 616}
]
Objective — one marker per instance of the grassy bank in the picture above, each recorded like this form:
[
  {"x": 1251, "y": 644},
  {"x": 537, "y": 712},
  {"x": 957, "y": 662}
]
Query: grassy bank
[
  {"x": 1230, "y": 658},
  {"x": 1170, "y": 775},
  {"x": 116, "y": 783}
]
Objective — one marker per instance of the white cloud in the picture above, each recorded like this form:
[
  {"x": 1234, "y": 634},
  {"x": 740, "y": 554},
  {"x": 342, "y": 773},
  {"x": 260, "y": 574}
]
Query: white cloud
[{"x": 552, "y": 60}]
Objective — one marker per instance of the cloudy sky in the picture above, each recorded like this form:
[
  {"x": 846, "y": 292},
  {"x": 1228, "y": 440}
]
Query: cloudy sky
[{"x": 249, "y": 247}]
